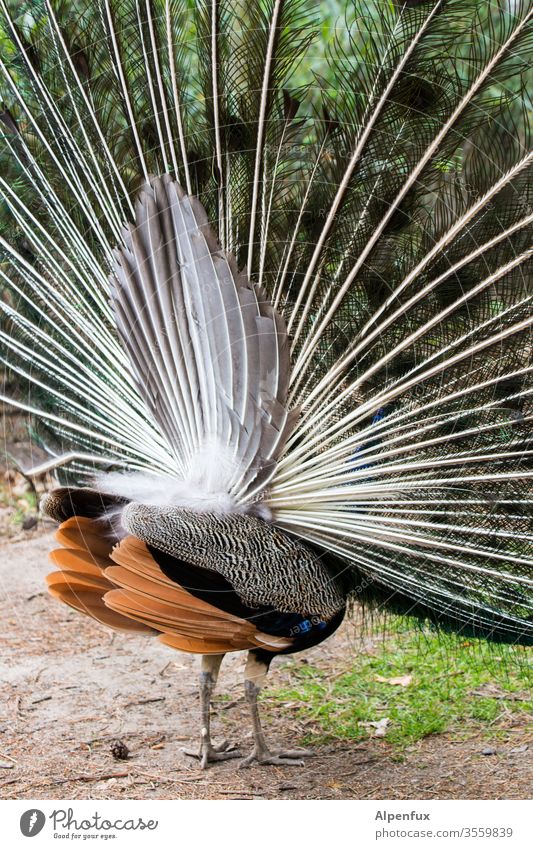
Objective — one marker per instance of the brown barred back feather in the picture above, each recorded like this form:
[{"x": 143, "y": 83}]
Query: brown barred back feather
[{"x": 264, "y": 565}]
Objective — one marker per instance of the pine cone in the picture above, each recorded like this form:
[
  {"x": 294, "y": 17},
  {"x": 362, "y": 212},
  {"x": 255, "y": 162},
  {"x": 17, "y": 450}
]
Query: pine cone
[{"x": 119, "y": 750}]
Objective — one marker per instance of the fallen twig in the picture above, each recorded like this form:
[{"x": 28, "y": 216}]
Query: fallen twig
[
  {"x": 355, "y": 771},
  {"x": 102, "y": 777},
  {"x": 228, "y": 705},
  {"x": 238, "y": 793},
  {"x": 502, "y": 697},
  {"x": 145, "y": 701},
  {"x": 165, "y": 779}
]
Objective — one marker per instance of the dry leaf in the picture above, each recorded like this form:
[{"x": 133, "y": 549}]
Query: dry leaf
[
  {"x": 401, "y": 681},
  {"x": 379, "y": 726}
]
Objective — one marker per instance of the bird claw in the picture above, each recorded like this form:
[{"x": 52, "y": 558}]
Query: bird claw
[
  {"x": 276, "y": 757},
  {"x": 208, "y": 753}
]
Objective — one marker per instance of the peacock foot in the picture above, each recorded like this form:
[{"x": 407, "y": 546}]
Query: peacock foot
[
  {"x": 208, "y": 753},
  {"x": 275, "y": 757}
]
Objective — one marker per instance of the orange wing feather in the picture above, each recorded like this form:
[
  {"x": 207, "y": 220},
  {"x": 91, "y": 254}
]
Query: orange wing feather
[
  {"x": 122, "y": 586},
  {"x": 81, "y": 582}
]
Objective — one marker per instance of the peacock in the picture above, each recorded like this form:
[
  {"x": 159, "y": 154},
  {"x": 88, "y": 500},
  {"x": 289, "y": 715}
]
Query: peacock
[{"x": 266, "y": 301}]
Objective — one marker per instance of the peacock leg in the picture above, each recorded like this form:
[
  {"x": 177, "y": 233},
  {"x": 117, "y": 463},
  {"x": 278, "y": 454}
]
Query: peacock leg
[
  {"x": 254, "y": 678},
  {"x": 208, "y": 679}
]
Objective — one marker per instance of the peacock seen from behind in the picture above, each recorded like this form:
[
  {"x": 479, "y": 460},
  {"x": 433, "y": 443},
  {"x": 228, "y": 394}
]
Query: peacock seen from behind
[{"x": 269, "y": 305}]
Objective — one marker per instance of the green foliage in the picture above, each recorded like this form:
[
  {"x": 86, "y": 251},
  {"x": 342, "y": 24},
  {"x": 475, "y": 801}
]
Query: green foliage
[
  {"x": 453, "y": 686},
  {"x": 21, "y": 510}
]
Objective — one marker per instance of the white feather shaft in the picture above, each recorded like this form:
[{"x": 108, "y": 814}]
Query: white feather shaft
[{"x": 265, "y": 93}]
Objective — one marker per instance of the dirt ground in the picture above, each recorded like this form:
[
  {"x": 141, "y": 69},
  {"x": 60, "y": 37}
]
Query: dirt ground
[{"x": 69, "y": 688}]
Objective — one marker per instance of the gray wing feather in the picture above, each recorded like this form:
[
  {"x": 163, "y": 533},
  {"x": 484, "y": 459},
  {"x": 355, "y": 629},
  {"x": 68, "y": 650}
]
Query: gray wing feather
[{"x": 209, "y": 353}]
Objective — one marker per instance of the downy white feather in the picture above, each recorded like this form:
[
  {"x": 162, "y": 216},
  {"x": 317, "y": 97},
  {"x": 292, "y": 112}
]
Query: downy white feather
[{"x": 204, "y": 488}]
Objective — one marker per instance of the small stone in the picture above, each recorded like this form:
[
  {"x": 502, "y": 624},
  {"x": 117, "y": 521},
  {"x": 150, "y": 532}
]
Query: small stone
[
  {"x": 29, "y": 523},
  {"x": 488, "y": 751},
  {"x": 119, "y": 750}
]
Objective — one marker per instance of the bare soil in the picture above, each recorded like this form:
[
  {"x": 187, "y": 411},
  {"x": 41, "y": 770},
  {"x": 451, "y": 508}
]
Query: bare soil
[{"x": 69, "y": 688}]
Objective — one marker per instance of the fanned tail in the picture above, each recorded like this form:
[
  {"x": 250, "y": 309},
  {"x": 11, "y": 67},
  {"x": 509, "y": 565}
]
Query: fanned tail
[{"x": 383, "y": 210}]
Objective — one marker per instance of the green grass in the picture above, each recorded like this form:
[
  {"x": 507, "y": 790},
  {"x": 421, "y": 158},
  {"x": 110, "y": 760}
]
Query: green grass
[
  {"x": 21, "y": 505},
  {"x": 454, "y": 686}
]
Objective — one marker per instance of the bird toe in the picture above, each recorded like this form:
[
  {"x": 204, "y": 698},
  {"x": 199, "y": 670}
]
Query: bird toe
[
  {"x": 276, "y": 757},
  {"x": 207, "y": 753}
]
